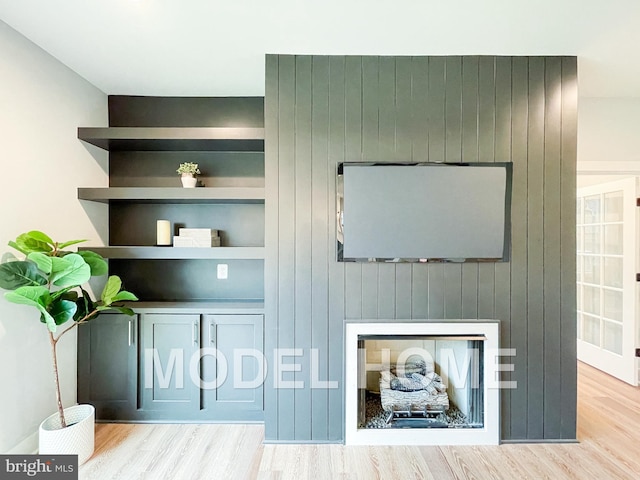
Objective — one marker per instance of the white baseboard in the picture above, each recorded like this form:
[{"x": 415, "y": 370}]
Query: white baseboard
[{"x": 28, "y": 446}]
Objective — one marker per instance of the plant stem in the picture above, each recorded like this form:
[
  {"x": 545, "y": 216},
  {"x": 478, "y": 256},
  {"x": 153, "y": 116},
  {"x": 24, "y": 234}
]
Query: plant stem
[{"x": 53, "y": 342}]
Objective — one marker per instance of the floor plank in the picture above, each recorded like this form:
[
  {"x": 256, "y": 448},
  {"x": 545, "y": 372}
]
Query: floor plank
[{"x": 608, "y": 434}]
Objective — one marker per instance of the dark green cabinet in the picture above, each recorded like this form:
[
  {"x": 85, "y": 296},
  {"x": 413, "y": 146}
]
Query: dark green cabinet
[
  {"x": 166, "y": 365},
  {"x": 233, "y": 367},
  {"x": 169, "y": 345},
  {"x": 108, "y": 365}
]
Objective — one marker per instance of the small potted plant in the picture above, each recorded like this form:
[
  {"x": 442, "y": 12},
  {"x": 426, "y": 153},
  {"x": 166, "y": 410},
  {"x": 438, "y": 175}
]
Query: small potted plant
[
  {"x": 188, "y": 172},
  {"x": 51, "y": 280}
]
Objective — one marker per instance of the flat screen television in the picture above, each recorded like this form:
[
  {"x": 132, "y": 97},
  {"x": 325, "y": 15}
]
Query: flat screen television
[{"x": 420, "y": 212}]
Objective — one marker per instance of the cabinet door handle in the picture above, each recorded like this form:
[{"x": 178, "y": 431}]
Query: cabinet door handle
[
  {"x": 195, "y": 334},
  {"x": 129, "y": 332},
  {"x": 212, "y": 332}
]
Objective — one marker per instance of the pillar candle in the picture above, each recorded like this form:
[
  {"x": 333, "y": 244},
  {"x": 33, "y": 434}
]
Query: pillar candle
[{"x": 163, "y": 232}]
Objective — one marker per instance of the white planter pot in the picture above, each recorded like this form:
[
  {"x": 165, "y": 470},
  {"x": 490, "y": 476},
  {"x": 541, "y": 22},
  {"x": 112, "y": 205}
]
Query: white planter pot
[
  {"x": 76, "y": 439},
  {"x": 188, "y": 180}
]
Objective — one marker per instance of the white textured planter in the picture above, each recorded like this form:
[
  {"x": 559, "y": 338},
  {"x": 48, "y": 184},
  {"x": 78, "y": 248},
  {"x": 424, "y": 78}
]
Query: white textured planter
[
  {"x": 188, "y": 180},
  {"x": 76, "y": 439}
]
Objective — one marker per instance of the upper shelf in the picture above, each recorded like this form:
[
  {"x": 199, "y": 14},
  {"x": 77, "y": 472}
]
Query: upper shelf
[
  {"x": 174, "y": 138},
  {"x": 174, "y": 253},
  {"x": 173, "y": 194}
]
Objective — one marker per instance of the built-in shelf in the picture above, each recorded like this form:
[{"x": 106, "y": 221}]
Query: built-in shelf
[
  {"x": 173, "y": 195},
  {"x": 179, "y": 253},
  {"x": 200, "y": 306},
  {"x": 174, "y": 138}
]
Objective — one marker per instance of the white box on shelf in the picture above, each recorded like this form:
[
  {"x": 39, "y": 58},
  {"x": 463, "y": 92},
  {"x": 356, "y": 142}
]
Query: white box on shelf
[
  {"x": 197, "y": 232},
  {"x": 183, "y": 241},
  {"x": 196, "y": 242}
]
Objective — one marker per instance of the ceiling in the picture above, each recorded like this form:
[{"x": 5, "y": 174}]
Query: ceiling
[{"x": 211, "y": 47}]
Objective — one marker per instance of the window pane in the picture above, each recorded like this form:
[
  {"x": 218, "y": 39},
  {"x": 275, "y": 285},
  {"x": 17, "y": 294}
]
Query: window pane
[
  {"x": 612, "y": 307},
  {"x": 579, "y": 297},
  {"x": 591, "y": 330},
  {"x": 591, "y": 299},
  {"x": 612, "y": 337},
  {"x": 612, "y": 272},
  {"x": 579, "y": 239},
  {"x": 579, "y": 329},
  {"x": 592, "y": 270},
  {"x": 579, "y": 261},
  {"x": 579, "y": 211},
  {"x": 613, "y": 207},
  {"x": 592, "y": 239},
  {"x": 592, "y": 209},
  {"x": 613, "y": 239}
]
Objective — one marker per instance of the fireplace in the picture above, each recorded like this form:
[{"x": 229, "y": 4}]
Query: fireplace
[{"x": 430, "y": 383}]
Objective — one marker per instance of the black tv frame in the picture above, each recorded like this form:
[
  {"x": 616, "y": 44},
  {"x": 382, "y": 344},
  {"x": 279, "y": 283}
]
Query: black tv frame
[{"x": 507, "y": 214}]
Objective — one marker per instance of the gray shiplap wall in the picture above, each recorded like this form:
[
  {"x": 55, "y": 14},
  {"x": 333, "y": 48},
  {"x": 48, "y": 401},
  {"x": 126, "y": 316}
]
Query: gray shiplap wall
[{"x": 322, "y": 110}]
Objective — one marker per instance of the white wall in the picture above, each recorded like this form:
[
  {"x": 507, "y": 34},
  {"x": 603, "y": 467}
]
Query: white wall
[
  {"x": 42, "y": 103},
  {"x": 608, "y": 139}
]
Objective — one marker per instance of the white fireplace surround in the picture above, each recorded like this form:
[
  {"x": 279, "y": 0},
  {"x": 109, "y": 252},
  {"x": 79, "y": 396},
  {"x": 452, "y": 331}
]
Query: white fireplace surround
[{"x": 487, "y": 435}]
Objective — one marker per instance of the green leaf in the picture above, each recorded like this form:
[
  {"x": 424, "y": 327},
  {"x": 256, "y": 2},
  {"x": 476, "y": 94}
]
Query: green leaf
[
  {"x": 64, "y": 293},
  {"x": 19, "y": 274},
  {"x": 125, "y": 310},
  {"x": 84, "y": 307},
  {"x": 13, "y": 244},
  {"x": 41, "y": 237},
  {"x": 29, "y": 243},
  {"x": 97, "y": 264},
  {"x": 37, "y": 297},
  {"x": 69, "y": 243},
  {"x": 111, "y": 289},
  {"x": 62, "y": 311},
  {"x": 43, "y": 261},
  {"x": 77, "y": 274},
  {"x": 34, "y": 296},
  {"x": 124, "y": 296}
]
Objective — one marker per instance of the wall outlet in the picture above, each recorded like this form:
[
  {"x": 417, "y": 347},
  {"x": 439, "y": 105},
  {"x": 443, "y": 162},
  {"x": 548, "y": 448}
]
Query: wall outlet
[{"x": 223, "y": 271}]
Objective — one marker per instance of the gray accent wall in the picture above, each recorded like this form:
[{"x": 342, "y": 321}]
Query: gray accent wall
[{"x": 323, "y": 110}]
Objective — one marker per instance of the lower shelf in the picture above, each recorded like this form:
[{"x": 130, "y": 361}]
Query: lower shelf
[{"x": 179, "y": 253}]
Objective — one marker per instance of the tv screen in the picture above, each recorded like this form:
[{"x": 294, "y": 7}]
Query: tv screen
[{"x": 422, "y": 212}]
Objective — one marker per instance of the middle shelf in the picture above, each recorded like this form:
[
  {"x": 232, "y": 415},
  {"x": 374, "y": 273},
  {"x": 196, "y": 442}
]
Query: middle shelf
[
  {"x": 173, "y": 195},
  {"x": 182, "y": 253}
]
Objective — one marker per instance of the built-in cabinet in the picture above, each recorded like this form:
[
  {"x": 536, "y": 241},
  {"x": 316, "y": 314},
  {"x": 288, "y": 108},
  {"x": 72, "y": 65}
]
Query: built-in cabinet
[
  {"x": 173, "y": 366},
  {"x": 185, "y": 307}
]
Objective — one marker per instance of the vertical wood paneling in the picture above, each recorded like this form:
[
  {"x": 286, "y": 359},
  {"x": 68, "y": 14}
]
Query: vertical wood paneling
[
  {"x": 344, "y": 139},
  {"x": 503, "y": 269},
  {"x": 352, "y": 111},
  {"x": 386, "y": 297},
  {"x": 272, "y": 228},
  {"x": 568, "y": 155},
  {"x": 453, "y": 153},
  {"x": 486, "y": 152},
  {"x": 403, "y": 152},
  {"x": 552, "y": 259},
  {"x": 303, "y": 217},
  {"x": 321, "y": 216},
  {"x": 469, "y": 154},
  {"x": 420, "y": 152},
  {"x": 286, "y": 238},
  {"x": 423, "y": 108},
  {"x": 370, "y": 152},
  {"x": 535, "y": 250},
  {"x": 519, "y": 235},
  {"x": 436, "y": 117}
]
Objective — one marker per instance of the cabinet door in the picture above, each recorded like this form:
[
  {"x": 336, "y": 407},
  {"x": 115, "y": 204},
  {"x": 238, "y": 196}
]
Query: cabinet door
[
  {"x": 107, "y": 365},
  {"x": 170, "y": 343},
  {"x": 233, "y": 368}
]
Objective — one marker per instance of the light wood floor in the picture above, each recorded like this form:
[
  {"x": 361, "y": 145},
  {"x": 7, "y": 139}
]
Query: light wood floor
[{"x": 608, "y": 432}]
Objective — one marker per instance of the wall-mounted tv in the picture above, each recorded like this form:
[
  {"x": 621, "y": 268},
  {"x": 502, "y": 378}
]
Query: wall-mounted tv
[{"x": 419, "y": 212}]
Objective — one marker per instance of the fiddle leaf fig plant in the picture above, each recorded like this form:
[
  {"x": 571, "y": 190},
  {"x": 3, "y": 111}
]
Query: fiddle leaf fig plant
[{"x": 50, "y": 280}]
